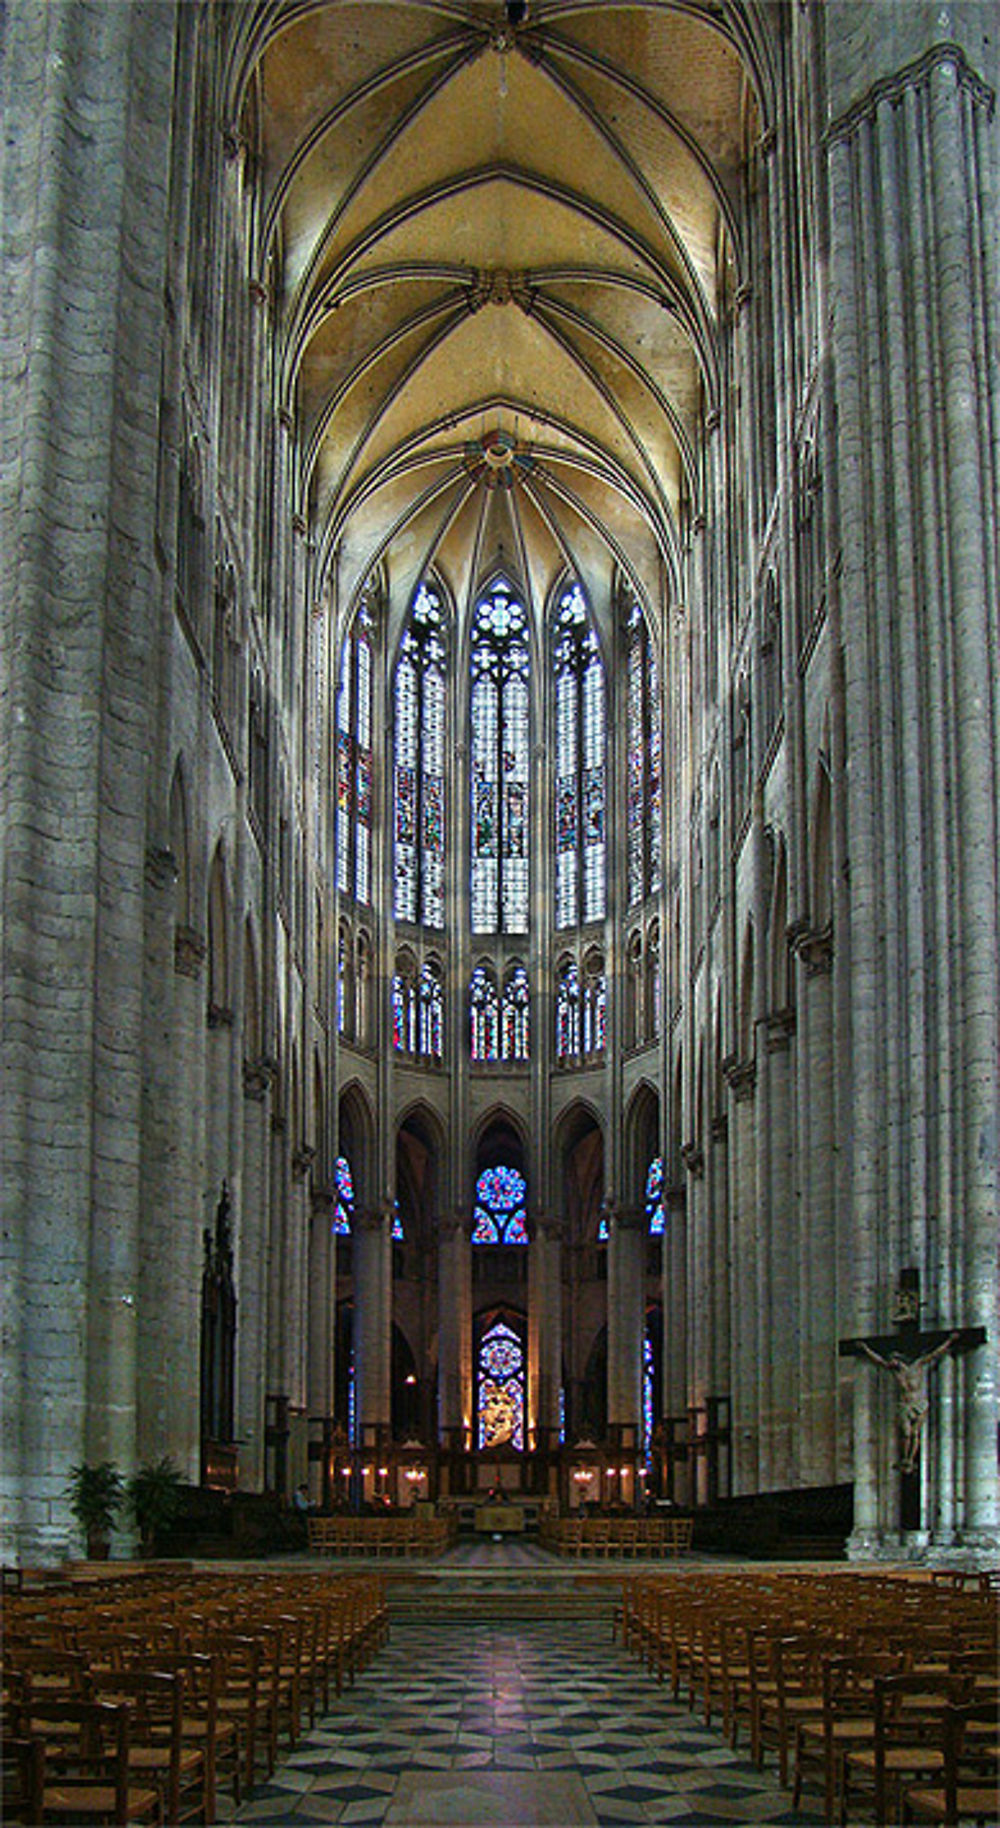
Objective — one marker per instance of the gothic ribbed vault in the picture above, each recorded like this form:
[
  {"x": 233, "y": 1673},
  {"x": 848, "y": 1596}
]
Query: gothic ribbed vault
[{"x": 498, "y": 256}]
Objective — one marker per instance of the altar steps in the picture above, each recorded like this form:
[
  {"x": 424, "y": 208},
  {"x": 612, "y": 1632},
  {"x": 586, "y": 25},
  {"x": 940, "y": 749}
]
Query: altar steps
[{"x": 480, "y": 1598}]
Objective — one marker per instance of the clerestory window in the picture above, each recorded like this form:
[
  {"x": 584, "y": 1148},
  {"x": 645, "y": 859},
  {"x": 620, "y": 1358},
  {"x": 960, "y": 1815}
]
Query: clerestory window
[
  {"x": 500, "y": 758},
  {"x": 419, "y": 763},
  {"x": 580, "y": 787}
]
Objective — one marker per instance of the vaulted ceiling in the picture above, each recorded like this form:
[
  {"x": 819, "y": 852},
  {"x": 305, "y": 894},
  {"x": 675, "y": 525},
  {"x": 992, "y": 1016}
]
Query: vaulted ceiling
[{"x": 498, "y": 248}]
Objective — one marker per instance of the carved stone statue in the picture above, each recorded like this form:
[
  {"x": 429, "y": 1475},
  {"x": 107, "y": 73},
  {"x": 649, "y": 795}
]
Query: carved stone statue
[{"x": 911, "y": 1378}]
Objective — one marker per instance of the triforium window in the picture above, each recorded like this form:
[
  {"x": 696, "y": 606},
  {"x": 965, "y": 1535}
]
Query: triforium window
[
  {"x": 484, "y": 1014},
  {"x": 354, "y": 759},
  {"x": 500, "y": 752},
  {"x": 581, "y": 1010},
  {"x": 500, "y": 1394},
  {"x": 580, "y": 790},
  {"x": 419, "y": 812},
  {"x": 417, "y": 1009},
  {"x": 499, "y": 1216},
  {"x": 645, "y": 763}
]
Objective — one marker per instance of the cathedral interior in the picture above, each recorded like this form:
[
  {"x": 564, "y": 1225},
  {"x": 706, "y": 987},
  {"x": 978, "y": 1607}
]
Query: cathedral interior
[{"x": 500, "y": 756}]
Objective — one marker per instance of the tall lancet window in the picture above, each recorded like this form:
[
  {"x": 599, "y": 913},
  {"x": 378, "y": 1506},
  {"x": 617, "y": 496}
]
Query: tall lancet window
[
  {"x": 419, "y": 763},
  {"x": 354, "y": 759},
  {"x": 500, "y": 754},
  {"x": 645, "y": 763},
  {"x": 580, "y": 802}
]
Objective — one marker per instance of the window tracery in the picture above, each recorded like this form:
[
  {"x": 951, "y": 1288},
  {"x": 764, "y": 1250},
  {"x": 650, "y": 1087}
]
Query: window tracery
[
  {"x": 644, "y": 785},
  {"x": 499, "y": 1215},
  {"x": 580, "y": 787},
  {"x": 500, "y": 1396},
  {"x": 500, "y": 759},
  {"x": 419, "y": 763},
  {"x": 344, "y": 1187},
  {"x": 354, "y": 757}
]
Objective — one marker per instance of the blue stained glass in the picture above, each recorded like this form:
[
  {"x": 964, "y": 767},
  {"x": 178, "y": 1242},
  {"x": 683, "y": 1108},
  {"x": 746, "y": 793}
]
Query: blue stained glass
[
  {"x": 602, "y": 1230},
  {"x": 500, "y": 1405},
  {"x": 654, "y": 1197},
  {"x": 499, "y": 1211},
  {"x": 344, "y": 1184},
  {"x": 397, "y": 1224},
  {"x": 648, "y": 1376}
]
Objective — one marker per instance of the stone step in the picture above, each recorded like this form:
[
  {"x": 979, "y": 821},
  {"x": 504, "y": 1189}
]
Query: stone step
[{"x": 514, "y": 1594}]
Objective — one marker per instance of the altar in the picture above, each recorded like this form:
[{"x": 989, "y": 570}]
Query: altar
[{"x": 500, "y": 1519}]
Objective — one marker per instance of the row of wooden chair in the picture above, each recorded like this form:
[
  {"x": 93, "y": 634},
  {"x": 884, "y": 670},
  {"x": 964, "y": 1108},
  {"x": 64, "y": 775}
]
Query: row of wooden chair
[
  {"x": 380, "y": 1536},
  {"x": 840, "y": 1674},
  {"x": 626, "y": 1538},
  {"x": 172, "y": 1688}
]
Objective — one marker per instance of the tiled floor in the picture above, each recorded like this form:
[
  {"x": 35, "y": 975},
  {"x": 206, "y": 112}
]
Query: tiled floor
[{"x": 532, "y": 1722}]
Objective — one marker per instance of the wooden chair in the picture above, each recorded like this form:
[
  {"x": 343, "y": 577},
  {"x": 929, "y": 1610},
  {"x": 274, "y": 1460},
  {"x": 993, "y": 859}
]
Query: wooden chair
[
  {"x": 88, "y": 1775},
  {"x": 201, "y": 1726},
  {"x": 906, "y": 1743},
  {"x": 846, "y": 1719},
  {"x": 158, "y": 1754},
  {"x": 968, "y": 1791}
]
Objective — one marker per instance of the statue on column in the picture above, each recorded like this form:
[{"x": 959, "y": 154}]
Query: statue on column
[{"x": 911, "y": 1378}]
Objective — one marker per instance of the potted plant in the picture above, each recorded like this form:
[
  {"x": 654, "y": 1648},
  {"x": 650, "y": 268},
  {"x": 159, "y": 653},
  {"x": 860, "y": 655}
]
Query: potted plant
[
  {"x": 153, "y": 1496},
  {"x": 95, "y": 1494}
]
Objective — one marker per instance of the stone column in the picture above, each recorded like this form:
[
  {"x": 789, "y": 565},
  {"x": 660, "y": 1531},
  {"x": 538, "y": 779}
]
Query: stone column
[
  {"x": 322, "y": 1304},
  {"x": 455, "y": 1394},
  {"x": 819, "y": 1279},
  {"x": 372, "y": 1321},
  {"x": 254, "y": 1266},
  {"x": 545, "y": 1331},
  {"x": 189, "y": 1212},
  {"x": 913, "y": 289},
  {"x": 779, "y": 1250},
  {"x": 86, "y": 97},
  {"x": 626, "y": 1316},
  {"x": 746, "y": 1341}
]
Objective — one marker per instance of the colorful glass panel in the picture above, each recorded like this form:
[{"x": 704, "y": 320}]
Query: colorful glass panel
[
  {"x": 500, "y": 758},
  {"x": 655, "y": 1216},
  {"x": 499, "y": 1216},
  {"x": 648, "y": 1389},
  {"x": 500, "y": 1403},
  {"x": 580, "y": 792},
  {"x": 344, "y": 1184},
  {"x": 420, "y": 702}
]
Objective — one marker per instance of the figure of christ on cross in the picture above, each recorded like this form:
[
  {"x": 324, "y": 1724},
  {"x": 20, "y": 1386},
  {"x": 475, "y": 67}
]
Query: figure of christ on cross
[
  {"x": 911, "y": 1377},
  {"x": 908, "y": 1355}
]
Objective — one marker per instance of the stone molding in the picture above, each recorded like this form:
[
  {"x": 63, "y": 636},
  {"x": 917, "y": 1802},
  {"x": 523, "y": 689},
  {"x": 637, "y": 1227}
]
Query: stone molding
[
  {"x": 302, "y": 1160},
  {"x": 258, "y": 1076},
  {"x": 219, "y": 1016},
  {"x": 189, "y": 952},
  {"x": 693, "y": 1157},
  {"x": 779, "y": 1027},
  {"x": 914, "y": 75},
  {"x": 814, "y": 946},
  {"x": 161, "y": 867},
  {"x": 740, "y": 1076}
]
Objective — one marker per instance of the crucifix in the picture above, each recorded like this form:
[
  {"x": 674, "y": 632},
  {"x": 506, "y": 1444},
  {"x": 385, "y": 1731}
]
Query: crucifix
[{"x": 908, "y": 1355}]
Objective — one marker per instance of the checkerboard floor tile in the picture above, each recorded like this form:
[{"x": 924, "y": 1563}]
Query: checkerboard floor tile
[{"x": 523, "y": 1724}]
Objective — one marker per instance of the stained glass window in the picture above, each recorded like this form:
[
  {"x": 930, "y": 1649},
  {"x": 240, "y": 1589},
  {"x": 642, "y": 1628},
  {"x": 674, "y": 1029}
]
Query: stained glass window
[
  {"x": 397, "y": 1224},
  {"x": 499, "y": 1216},
  {"x": 655, "y": 1217},
  {"x": 580, "y": 809},
  {"x": 644, "y": 771},
  {"x": 568, "y": 1013},
  {"x": 419, "y": 764},
  {"x": 484, "y": 1012},
  {"x": 648, "y": 1390},
  {"x": 431, "y": 1031},
  {"x": 344, "y": 1185},
  {"x": 514, "y": 1015},
  {"x": 500, "y": 1397},
  {"x": 353, "y": 766},
  {"x": 500, "y": 754}
]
